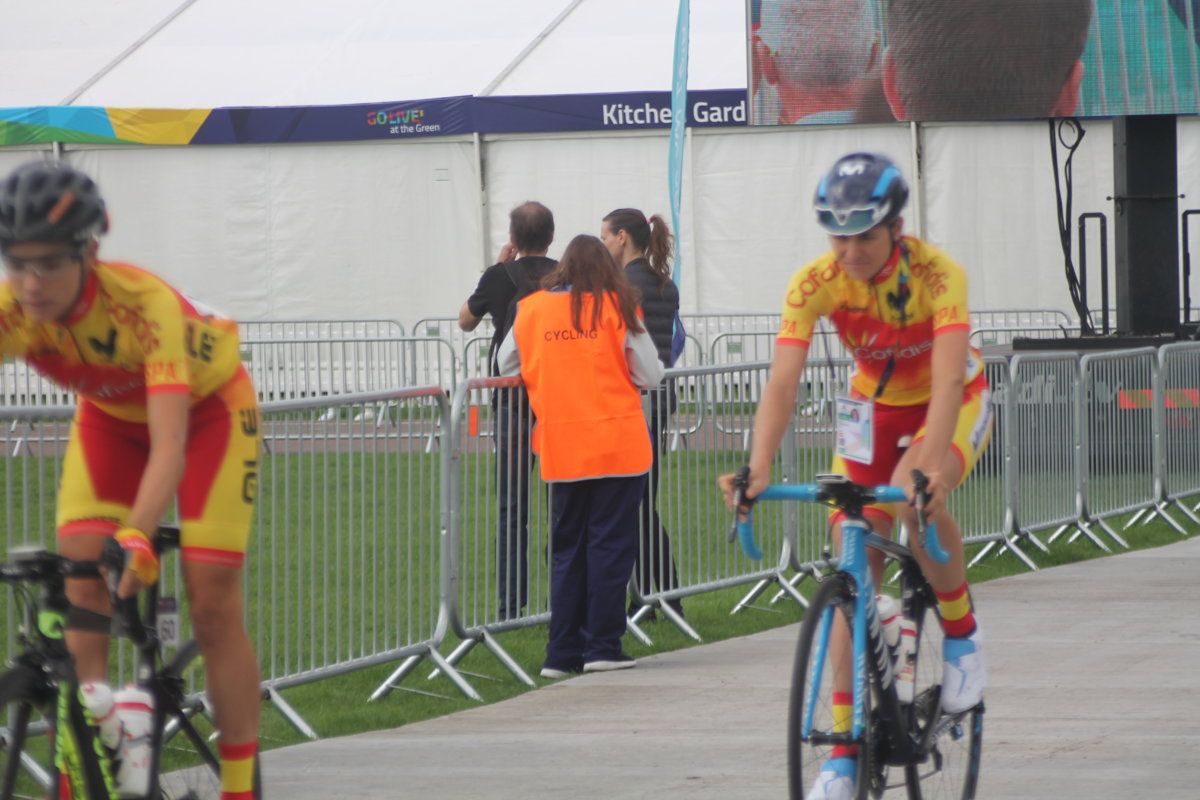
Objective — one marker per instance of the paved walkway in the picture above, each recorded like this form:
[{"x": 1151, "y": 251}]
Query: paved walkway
[{"x": 1095, "y": 693}]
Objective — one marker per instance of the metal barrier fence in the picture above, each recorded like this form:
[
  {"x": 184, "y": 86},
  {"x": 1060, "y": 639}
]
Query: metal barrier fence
[
  {"x": 746, "y": 337},
  {"x": 344, "y": 563},
  {"x": 378, "y": 527},
  {"x": 980, "y": 504},
  {"x": 475, "y": 363},
  {"x": 1009, "y": 318},
  {"x": 1178, "y": 407},
  {"x": 21, "y": 385},
  {"x": 1044, "y": 441},
  {"x": 290, "y": 330},
  {"x": 306, "y": 368},
  {"x": 1117, "y": 451},
  {"x": 736, "y": 347},
  {"x": 989, "y": 337},
  {"x": 690, "y": 509},
  {"x": 447, "y": 328}
]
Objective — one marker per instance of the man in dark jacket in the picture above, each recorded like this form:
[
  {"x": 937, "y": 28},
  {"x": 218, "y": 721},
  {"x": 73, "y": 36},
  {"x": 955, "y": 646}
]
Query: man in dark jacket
[{"x": 520, "y": 267}]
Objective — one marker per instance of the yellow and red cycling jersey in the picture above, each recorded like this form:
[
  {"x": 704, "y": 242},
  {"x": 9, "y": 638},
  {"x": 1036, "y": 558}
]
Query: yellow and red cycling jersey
[
  {"x": 924, "y": 281},
  {"x": 130, "y": 335}
]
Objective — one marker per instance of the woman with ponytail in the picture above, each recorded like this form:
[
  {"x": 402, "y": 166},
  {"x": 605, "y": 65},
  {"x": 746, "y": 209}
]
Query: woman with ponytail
[
  {"x": 583, "y": 354},
  {"x": 642, "y": 247}
]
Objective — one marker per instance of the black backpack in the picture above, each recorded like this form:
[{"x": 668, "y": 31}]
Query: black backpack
[{"x": 525, "y": 286}]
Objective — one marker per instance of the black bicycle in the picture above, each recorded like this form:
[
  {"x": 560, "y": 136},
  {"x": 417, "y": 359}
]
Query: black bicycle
[
  {"x": 41, "y": 681},
  {"x": 937, "y": 752}
]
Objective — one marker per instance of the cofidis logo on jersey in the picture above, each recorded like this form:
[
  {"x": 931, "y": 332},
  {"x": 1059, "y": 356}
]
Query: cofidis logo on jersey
[{"x": 402, "y": 121}]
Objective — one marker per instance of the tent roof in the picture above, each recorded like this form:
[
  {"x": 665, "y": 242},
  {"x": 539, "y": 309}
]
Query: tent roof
[{"x": 212, "y": 53}]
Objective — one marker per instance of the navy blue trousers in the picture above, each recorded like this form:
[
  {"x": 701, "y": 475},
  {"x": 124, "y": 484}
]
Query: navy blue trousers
[{"x": 594, "y": 525}]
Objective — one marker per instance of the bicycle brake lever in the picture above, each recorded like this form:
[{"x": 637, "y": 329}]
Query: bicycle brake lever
[
  {"x": 126, "y": 612},
  {"x": 741, "y": 480},
  {"x": 741, "y": 529},
  {"x": 927, "y": 530},
  {"x": 112, "y": 558}
]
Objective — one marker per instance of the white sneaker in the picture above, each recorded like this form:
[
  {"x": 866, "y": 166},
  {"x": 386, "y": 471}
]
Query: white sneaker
[
  {"x": 963, "y": 674},
  {"x": 836, "y": 781},
  {"x": 619, "y": 661}
]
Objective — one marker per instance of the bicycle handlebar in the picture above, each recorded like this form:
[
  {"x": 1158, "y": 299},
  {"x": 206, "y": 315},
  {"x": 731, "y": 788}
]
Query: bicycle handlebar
[
  {"x": 835, "y": 490},
  {"x": 38, "y": 565}
]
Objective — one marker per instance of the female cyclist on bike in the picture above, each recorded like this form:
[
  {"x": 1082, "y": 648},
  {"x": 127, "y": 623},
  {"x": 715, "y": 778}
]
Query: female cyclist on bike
[
  {"x": 918, "y": 397},
  {"x": 165, "y": 411}
]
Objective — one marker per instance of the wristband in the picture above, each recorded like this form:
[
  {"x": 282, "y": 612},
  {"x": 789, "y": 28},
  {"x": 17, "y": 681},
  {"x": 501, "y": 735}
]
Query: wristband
[{"x": 142, "y": 561}]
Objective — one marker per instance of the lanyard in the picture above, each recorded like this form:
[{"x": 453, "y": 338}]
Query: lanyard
[{"x": 899, "y": 301}]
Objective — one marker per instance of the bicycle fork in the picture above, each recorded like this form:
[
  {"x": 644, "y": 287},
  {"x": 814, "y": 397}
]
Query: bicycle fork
[{"x": 867, "y": 638}]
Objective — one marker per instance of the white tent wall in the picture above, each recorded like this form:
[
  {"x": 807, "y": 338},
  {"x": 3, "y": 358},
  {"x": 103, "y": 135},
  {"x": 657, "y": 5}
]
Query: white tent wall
[
  {"x": 753, "y": 191},
  {"x": 394, "y": 229},
  {"x": 298, "y": 231},
  {"x": 990, "y": 202},
  {"x": 13, "y": 157},
  {"x": 580, "y": 179}
]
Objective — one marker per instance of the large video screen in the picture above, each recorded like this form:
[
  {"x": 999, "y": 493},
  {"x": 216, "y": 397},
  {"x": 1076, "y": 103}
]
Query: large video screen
[{"x": 841, "y": 61}]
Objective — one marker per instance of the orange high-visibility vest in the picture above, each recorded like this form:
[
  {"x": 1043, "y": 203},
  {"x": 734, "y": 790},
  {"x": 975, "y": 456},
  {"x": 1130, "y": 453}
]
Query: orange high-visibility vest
[{"x": 590, "y": 422}]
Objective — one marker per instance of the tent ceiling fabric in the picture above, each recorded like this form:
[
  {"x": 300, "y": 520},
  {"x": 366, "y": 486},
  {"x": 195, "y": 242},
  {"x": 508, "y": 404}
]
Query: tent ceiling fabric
[
  {"x": 628, "y": 45},
  {"x": 298, "y": 52}
]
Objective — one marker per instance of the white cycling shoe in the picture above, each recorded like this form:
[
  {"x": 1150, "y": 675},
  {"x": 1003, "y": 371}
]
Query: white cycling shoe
[
  {"x": 963, "y": 674},
  {"x": 836, "y": 781}
]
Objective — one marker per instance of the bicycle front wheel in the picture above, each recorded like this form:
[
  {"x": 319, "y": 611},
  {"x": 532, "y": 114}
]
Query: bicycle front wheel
[
  {"x": 19, "y": 694},
  {"x": 822, "y": 664},
  {"x": 951, "y": 769}
]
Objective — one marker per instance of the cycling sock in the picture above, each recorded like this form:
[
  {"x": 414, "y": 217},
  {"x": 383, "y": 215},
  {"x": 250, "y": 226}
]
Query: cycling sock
[
  {"x": 958, "y": 619},
  {"x": 843, "y": 715},
  {"x": 237, "y": 770}
]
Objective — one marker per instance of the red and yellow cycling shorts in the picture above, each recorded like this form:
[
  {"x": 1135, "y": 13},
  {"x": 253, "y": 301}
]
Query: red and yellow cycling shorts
[
  {"x": 106, "y": 457},
  {"x": 896, "y": 427}
]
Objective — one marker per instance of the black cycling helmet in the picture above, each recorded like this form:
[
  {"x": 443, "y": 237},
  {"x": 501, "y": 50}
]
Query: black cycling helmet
[
  {"x": 860, "y": 191},
  {"x": 48, "y": 201}
]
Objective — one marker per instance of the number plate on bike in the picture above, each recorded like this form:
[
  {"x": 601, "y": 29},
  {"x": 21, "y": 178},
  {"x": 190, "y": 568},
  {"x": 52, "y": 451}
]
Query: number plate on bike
[{"x": 168, "y": 621}]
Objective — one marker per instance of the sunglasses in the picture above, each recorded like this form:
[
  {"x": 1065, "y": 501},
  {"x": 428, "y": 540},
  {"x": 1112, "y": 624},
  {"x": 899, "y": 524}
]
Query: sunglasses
[
  {"x": 43, "y": 267},
  {"x": 849, "y": 223}
]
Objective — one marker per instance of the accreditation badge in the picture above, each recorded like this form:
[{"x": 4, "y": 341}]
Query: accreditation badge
[{"x": 855, "y": 429}]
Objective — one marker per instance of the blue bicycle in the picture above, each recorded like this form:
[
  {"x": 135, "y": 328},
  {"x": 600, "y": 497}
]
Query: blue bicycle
[{"x": 842, "y": 650}]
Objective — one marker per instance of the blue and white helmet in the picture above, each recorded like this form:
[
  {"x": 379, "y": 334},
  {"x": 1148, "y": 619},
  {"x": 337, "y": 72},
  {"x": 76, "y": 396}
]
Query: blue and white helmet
[{"x": 860, "y": 191}]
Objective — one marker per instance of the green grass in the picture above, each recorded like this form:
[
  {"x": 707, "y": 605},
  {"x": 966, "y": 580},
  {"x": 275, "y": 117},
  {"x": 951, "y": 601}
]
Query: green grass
[
  {"x": 373, "y": 567},
  {"x": 336, "y": 707}
]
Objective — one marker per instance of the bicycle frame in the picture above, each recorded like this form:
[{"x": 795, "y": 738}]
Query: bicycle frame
[
  {"x": 76, "y": 753},
  {"x": 857, "y": 536},
  {"x": 78, "y": 756},
  {"x": 853, "y": 562}
]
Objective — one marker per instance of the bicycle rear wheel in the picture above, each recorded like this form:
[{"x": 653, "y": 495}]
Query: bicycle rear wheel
[
  {"x": 191, "y": 770},
  {"x": 951, "y": 771},
  {"x": 188, "y": 767},
  {"x": 806, "y": 755}
]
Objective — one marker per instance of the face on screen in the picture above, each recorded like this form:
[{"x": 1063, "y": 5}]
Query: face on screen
[{"x": 812, "y": 61}]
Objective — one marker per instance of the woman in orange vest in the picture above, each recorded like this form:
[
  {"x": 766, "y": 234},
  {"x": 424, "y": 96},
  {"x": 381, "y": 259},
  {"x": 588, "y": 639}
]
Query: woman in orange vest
[{"x": 583, "y": 353}]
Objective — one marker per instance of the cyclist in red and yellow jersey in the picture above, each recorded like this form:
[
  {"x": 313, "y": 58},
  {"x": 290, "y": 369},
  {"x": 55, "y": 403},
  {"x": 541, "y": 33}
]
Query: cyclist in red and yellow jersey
[
  {"x": 165, "y": 411},
  {"x": 918, "y": 398}
]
